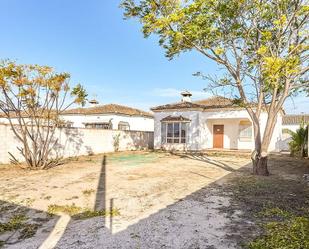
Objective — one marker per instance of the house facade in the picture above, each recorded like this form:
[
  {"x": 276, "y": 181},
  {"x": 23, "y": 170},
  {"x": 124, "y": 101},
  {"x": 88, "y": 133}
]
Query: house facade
[
  {"x": 108, "y": 117},
  {"x": 111, "y": 116},
  {"x": 293, "y": 122},
  {"x": 211, "y": 123}
]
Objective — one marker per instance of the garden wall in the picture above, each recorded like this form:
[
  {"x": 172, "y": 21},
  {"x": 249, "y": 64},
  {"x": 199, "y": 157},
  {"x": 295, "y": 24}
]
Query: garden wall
[{"x": 80, "y": 141}]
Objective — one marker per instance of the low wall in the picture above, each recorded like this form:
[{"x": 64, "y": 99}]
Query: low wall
[
  {"x": 79, "y": 141},
  {"x": 284, "y": 143}
]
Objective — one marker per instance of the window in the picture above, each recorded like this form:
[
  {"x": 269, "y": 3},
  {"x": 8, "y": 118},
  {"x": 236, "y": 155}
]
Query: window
[
  {"x": 245, "y": 131},
  {"x": 173, "y": 132},
  {"x": 69, "y": 124},
  {"x": 62, "y": 124},
  {"x": 183, "y": 133},
  {"x": 105, "y": 126},
  {"x": 124, "y": 126}
]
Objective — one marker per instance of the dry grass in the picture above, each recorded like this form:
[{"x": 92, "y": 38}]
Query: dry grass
[
  {"x": 270, "y": 205},
  {"x": 80, "y": 213},
  {"x": 88, "y": 192}
]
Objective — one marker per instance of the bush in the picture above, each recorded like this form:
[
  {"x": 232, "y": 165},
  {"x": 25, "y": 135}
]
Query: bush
[{"x": 299, "y": 144}]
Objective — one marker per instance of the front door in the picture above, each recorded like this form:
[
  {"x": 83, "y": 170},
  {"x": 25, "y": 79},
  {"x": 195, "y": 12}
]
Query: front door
[{"x": 218, "y": 131}]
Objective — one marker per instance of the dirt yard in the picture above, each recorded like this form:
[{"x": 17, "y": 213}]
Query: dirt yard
[{"x": 138, "y": 200}]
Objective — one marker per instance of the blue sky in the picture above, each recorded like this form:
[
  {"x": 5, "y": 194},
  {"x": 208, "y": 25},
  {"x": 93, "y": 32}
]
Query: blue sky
[{"x": 107, "y": 54}]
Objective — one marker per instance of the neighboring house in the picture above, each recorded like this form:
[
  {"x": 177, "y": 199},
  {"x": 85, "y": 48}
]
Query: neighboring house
[
  {"x": 293, "y": 122},
  {"x": 111, "y": 116},
  {"x": 211, "y": 123}
]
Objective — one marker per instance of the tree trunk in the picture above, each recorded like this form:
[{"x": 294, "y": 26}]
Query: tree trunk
[
  {"x": 260, "y": 155},
  {"x": 259, "y": 163}
]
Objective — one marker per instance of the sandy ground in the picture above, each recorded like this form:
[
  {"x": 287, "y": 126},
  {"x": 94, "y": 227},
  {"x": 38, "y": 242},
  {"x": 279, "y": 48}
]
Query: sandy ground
[{"x": 165, "y": 201}]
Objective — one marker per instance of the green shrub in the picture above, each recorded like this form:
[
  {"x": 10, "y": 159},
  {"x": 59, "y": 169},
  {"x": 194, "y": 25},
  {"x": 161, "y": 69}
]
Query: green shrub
[{"x": 299, "y": 143}]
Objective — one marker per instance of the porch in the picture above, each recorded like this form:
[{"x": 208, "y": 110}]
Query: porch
[{"x": 227, "y": 134}]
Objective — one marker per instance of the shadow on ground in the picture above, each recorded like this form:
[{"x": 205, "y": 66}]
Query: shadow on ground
[
  {"x": 207, "y": 218},
  {"x": 206, "y": 159},
  {"x": 19, "y": 222},
  {"x": 192, "y": 222}
]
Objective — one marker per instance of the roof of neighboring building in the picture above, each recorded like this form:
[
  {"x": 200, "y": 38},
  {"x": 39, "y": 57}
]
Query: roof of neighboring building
[
  {"x": 24, "y": 114},
  {"x": 175, "y": 118},
  {"x": 210, "y": 103},
  {"x": 108, "y": 109},
  {"x": 295, "y": 119}
]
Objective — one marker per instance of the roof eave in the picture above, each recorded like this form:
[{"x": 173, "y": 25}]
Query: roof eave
[{"x": 109, "y": 113}]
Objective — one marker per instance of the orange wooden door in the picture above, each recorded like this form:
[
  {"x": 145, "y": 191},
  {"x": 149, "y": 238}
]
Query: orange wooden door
[{"x": 218, "y": 132}]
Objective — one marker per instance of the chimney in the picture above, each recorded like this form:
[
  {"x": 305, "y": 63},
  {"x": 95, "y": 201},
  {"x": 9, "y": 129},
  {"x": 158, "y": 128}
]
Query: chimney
[
  {"x": 93, "y": 103},
  {"x": 186, "y": 96}
]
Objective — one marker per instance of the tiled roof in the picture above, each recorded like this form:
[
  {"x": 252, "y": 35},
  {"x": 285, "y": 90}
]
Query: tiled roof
[
  {"x": 295, "y": 119},
  {"x": 23, "y": 114},
  {"x": 109, "y": 109},
  {"x": 217, "y": 102},
  {"x": 210, "y": 103},
  {"x": 180, "y": 105},
  {"x": 175, "y": 118}
]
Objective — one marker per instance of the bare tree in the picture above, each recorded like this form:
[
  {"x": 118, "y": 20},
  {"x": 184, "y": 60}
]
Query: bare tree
[{"x": 32, "y": 98}]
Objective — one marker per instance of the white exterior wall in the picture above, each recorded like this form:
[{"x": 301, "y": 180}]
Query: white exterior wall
[
  {"x": 137, "y": 123},
  {"x": 230, "y": 120},
  {"x": 13, "y": 120},
  {"x": 200, "y": 132},
  {"x": 76, "y": 141},
  {"x": 292, "y": 127},
  {"x": 193, "y": 133},
  {"x": 286, "y": 137},
  {"x": 230, "y": 138},
  {"x": 277, "y": 133}
]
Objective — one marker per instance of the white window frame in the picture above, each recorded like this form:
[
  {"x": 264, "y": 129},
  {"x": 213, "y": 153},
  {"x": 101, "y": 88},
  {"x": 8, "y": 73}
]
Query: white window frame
[
  {"x": 243, "y": 128},
  {"x": 123, "y": 124},
  {"x": 102, "y": 126},
  {"x": 181, "y": 139}
]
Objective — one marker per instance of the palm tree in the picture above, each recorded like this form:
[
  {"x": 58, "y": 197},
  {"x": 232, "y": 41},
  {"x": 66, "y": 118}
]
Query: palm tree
[{"x": 299, "y": 144}]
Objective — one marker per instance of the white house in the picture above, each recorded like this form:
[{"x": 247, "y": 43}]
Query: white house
[
  {"x": 111, "y": 116},
  {"x": 211, "y": 123},
  {"x": 293, "y": 122}
]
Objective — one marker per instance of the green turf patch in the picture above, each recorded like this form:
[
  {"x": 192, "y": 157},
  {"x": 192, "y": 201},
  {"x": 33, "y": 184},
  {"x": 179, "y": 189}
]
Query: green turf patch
[{"x": 133, "y": 159}]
